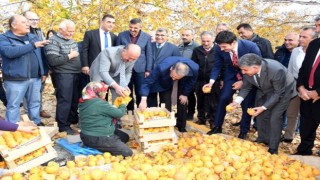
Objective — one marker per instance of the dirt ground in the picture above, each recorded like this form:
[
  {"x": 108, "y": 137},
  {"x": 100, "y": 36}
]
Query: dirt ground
[{"x": 49, "y": 104}]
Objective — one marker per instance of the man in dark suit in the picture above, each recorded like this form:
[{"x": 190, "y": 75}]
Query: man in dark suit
[
  {"x": 161, "y": 49},
  {"x": 143, "y": 65},
  {"x": 308, "y": 85},
  {"x": 226, "y": 55},
  {"x": 94, "y": 42},
  {"x": 275, "y": 87},
  {"x": 162, "y": 79},
  {"x": 246, "y": 32}
]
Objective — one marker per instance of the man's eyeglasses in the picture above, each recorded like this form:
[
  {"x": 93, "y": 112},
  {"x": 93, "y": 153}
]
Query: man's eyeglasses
[
  {"x": 161, "y": 35},
  {"x": 34, "y": 20}
]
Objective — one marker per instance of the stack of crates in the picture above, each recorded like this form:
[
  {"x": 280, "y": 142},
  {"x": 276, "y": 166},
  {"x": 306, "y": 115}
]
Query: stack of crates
[
  {"x": 33, "y": 151},
  {"x": 154, "y": 128}
]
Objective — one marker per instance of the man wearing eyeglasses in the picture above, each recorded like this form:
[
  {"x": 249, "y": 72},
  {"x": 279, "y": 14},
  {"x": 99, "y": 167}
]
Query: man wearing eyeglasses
[
  {"x": 161, "y": 49},
  {"x": 34, "y": 29}
]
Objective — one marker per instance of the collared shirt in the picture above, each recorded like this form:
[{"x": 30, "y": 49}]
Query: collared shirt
[
  {"x": 296, "y": 59},
  {"x": 160, "y": 45},
  {"x": 102, "y": 38}
]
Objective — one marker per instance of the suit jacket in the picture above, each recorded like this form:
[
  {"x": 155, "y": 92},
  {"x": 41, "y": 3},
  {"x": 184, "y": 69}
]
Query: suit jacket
[
  {"x": 106, "y": 65},
  {"x": 308, "y": 108},
  {"x": 159, "y": 80},
  {"x": 167, "y": 50},
  {"x": 91, "y": 46},
  {"x": 144, "y": 62},
  {"x": 275, "y": 84},
  {"x": 223, "y": 59}
]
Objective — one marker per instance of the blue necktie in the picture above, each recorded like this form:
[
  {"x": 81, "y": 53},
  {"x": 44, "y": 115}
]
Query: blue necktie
[{"x": 105, "y": 39}]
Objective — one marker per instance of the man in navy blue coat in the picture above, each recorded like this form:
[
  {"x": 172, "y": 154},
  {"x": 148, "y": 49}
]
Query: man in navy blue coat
[
  {"x": 229, "y": 46},
  {"x": 161, "y": 80},
  {"x": 143, "y": 64}
]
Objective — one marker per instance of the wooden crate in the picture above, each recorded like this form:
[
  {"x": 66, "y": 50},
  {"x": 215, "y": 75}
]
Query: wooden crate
[
  {"x": 143, "y": 136},
  {"x": 49, "y": 155},
  {"x": 169, "y": 120},
  {"x": 40, "y": 141},
  {"x": 147, "y": 146},
  {"x": 51, "y": 130}
]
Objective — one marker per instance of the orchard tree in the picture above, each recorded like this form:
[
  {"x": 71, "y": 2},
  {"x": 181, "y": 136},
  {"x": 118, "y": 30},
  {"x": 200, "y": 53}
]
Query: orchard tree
[{"x": 268, "y": 20}]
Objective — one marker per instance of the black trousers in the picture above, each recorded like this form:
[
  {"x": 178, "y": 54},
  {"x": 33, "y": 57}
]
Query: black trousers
[
  {"x": 207, "y": 102},
  {"x": 3, "y": 94},
  {"x": 308, "y": 129},
  {"x": 192, "y": 103},
  {"x": 67, "y": 95},
  {"x": 115, "y": 144},
  {"x": 165, "y": 97}
]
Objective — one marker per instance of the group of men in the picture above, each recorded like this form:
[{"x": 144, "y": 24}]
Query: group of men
[{"x": 159, "y": 70}]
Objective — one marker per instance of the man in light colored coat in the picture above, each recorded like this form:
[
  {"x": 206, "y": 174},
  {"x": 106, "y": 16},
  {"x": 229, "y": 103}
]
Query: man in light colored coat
[{"x": 106, "y": 67}]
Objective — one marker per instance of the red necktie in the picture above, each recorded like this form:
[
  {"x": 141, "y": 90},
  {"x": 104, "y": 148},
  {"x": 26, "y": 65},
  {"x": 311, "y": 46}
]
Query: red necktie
[
  {"x": 234, "y": 59},
  {"x": 313, "y": 70},
  {"x": 235, "y": 64}
]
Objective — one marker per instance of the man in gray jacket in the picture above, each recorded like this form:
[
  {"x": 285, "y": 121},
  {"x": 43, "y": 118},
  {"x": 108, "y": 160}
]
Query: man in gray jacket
[{"x": 114, "y": 67}]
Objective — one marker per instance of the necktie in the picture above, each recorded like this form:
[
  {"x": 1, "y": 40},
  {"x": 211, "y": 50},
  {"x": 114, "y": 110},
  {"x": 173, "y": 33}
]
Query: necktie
[
  {"x": 313, "y": 70},
  {"x": 234, "y": 59},
  {"x": 105, "y": 39},
  {"x": 235, "y": 64},
  {"x": 122, "y": 73},
  {"x": 257, "y": 79},
  {"x": 174, "y": 93}
]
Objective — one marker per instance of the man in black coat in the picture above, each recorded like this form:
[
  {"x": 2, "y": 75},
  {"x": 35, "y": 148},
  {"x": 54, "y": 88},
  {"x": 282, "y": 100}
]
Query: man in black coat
[
  {"x": 94, "y": 42},
  {"x": 245, "y": 32}
]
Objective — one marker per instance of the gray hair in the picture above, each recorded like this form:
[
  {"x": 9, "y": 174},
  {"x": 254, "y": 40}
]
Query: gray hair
[
  {"x": 314, "y": 33},
  {"x": 223, "y": 24},
  {"x": 65, "y": 23},
  {"x": 206, "y": 33},
  {"x": 189, "y": 29},
  {"x": 181, "y": 69},
  {"x": 317, "y": 18},
  {"x": 250, "y": 60},
  {"x": 161, "y": 30}
]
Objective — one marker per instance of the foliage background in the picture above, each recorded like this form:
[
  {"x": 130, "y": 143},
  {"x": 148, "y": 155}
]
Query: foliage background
[{"x": 269, "y": 19}]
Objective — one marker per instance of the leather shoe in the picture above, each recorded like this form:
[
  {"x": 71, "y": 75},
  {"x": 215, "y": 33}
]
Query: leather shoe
[
  {"x": 201, "y": 122},
  {"x": 215, "y": 130},
  {"x": 236, "y": 124},
  {"x": 242, "y": 136},
  {"x": 41, "y": 124},
  {"x": 182, "y": 130},
  {"x": 273, "y": 151},
  {"x": 286, "y": 140},
  {"x": 44, "y": 114}
]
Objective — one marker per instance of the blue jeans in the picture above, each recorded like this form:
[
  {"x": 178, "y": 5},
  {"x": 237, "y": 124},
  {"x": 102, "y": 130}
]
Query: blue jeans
[
  {"x": 15, "y": 91},
  {"x": 136, "y": 81}
]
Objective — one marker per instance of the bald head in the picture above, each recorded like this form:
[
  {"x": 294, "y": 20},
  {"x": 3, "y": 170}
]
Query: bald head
[
  {"x": 33, "y": 18},
  {"x": 19, "y": 25},
  {"x": 130, "y": 52},
  {"x": 291, "y": 41},
  {"x": 67, "y": 29}
]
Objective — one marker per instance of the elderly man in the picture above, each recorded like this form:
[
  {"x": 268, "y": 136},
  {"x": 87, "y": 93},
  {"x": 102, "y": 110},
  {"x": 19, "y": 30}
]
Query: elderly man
[
  {"x": 245, "y": 31},
  {"x": 307, "y": 34},
  {"x": 22, "y": 68},
  {"x": 275, "y": 87},
  {"x": 63, "y": 58},
  {"x": 204, "y": 56},
  {"x": 174, "y": 79},
  {"x": 143, "y": 65},
  {"x": 34, "y": 29},
  {"x": 114, "y": 67},
  {"x": 161, "y": 49},
  {"x": 186, "y": 49},
  {"x": 95, "y": 41}
]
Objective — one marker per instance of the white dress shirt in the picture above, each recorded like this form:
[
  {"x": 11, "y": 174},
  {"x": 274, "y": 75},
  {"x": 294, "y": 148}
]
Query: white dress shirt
[{"x": 102, "y": 38}]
